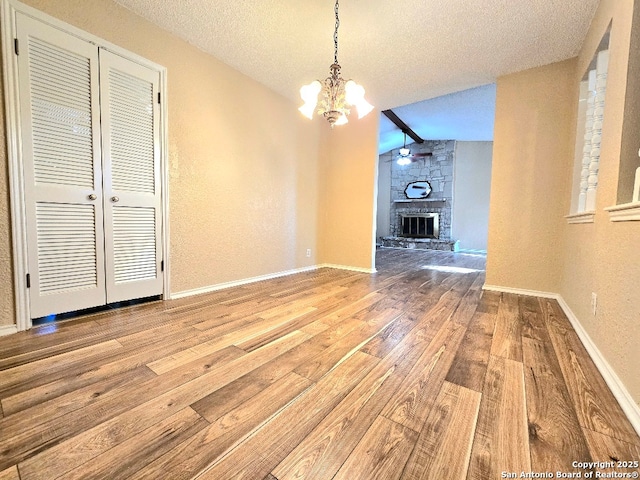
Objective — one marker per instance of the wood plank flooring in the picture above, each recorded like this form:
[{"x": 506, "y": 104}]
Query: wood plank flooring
[{"x": 410, "y": 373}]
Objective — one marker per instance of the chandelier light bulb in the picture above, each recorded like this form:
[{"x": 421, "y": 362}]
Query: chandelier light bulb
[
  {"x": 309, "y": 94},
  {"x": 342, "y": 119},
  {"x": 307, "y": 110},
  {"x": 363, "y": 108},
  {"x": 354, "y": 95}
]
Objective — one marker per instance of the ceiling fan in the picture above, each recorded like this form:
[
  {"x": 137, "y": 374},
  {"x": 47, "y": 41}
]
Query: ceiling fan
[{"x": 406, "y": 157}]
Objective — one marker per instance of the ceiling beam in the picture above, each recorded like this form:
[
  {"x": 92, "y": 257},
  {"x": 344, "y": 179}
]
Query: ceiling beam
[{"x": 402, "y": 126}]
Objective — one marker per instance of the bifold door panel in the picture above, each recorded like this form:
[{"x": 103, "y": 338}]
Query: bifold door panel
[
  {"x": 131, "y": 166},
  {"x": 60, "y": 115},
  {"x": 91, "y": 170}
]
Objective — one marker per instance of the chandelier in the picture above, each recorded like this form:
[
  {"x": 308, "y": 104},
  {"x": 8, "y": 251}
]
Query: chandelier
[{"x": 338, "y": 95}]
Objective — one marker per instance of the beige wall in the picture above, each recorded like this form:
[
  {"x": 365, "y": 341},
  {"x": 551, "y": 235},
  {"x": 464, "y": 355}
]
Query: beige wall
[
  {"x": 531, "y": 177},
  {"x": 6, "y": 263},
  {"x": 346, "y": 209},
  {"x": 243, "y": 161},
  {"x": 603, "y": 257},
  {"x": 531, "y": 246},
  {"x": 471, "y": 193}
]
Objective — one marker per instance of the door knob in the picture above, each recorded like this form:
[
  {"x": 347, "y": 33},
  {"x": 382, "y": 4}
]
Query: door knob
[
  {"x": 93, "y": 196},
  {"x": 115, "y": 199}
]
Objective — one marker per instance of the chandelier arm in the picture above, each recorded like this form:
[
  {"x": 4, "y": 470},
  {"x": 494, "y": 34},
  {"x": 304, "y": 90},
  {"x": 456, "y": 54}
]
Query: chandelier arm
[{"x": 335, "y": 35}]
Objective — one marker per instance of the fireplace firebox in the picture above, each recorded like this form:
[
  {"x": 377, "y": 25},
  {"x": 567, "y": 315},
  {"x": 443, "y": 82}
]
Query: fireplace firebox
[{"x": 420, "y": 225}]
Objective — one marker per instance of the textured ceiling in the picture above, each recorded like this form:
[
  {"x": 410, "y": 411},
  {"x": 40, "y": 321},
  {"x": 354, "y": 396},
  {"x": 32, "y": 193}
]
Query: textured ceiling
[{"x": 400, "y": 51}]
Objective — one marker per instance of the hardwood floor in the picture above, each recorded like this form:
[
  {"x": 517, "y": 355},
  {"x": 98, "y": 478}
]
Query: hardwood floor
[{"x": 410, "y": 373}]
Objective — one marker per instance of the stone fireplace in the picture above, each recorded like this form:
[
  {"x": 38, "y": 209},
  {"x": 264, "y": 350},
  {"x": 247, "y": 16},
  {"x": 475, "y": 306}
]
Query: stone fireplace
[{"x": 422, "y": 222}]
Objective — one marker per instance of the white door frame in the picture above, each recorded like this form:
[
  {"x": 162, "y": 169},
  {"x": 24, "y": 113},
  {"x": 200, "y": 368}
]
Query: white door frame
[{"x": 8, "y": 9}]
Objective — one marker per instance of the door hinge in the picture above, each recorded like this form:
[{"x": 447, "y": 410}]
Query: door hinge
[
  {"x": 15, "y": 46},
  {"x": 28, "y": 280},
  {"x": 158, "y": 97},
  {"x": 162, "y": 265}
]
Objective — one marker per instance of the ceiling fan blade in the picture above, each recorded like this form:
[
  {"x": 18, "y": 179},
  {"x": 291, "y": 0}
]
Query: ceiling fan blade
[{"x": 412, "y": 157}]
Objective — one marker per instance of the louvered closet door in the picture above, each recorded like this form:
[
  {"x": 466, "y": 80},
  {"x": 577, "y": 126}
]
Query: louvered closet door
[
  {"x": 59, "y": 110},
  {"x": 131, "y": 166}
]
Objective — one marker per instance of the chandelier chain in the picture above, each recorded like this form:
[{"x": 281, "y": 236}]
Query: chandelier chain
[{"x": 335, "y": 35}]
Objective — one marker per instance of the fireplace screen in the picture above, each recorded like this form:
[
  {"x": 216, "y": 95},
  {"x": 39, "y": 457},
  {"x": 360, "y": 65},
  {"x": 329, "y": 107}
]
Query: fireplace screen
[{"x": 423, "y": 225}]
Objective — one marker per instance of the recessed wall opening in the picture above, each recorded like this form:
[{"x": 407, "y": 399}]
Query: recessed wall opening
[{"x": 416, "y": 150}]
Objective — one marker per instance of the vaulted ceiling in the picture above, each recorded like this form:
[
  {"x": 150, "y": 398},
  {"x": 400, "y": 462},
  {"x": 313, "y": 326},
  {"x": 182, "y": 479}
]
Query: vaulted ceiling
[{"x": 402, "y": 52}]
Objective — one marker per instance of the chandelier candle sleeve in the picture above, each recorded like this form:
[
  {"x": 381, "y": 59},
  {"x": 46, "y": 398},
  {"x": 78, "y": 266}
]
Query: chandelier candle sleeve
[{"x": 338, "y": 95}]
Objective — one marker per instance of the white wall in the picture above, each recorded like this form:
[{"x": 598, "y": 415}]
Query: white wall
[
  {"x": 471, "y": 188},
  {"x": 384, "y": 195}
]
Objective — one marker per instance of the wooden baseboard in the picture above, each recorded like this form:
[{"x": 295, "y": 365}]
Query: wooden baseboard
[
  {"x": 471, "y": 251},
  {"x": 620, "y": 392},
  {"x": 8, "y": 330},
  {"x": 520, "y": 291},
  {"x": 627, "y": 403},
  {"x": 346, "y": 267},
  {"x": 236, "y": 283},
  {"x": 244, "y": 281}
]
